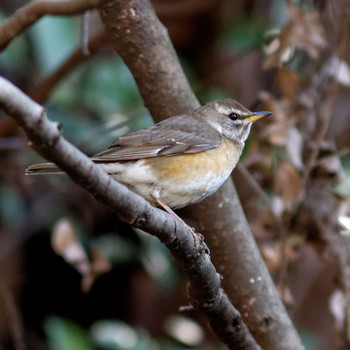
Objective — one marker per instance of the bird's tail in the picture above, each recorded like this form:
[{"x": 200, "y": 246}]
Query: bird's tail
[{"x": 43, "y": 168}]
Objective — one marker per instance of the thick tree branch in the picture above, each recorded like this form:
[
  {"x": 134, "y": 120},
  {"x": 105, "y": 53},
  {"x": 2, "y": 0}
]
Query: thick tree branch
[
  {"x": 205, "y": 292},
  {"x": 143, "y": 43},
  {"x": 29, "y": 14}
]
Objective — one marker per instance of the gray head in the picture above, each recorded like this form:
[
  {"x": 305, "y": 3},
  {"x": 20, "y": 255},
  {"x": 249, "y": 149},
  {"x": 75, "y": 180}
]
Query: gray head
[{"x": 230, "y": 118}]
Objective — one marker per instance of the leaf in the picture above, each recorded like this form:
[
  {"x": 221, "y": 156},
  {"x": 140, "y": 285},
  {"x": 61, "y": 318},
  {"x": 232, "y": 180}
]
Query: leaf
[
  {"x": 288, "y": 81},
  {"x": 280, "y": 122},
  {"x": 65, "y": 335},
  {"x": 304, "y": 31},
  {"x": 342, "y": 189},
  {"x": 294, "y": 145},
  {"x": 98, "y": 266},
  {"x": 344, "y": 221},
  {"x": 184, "y": 330},
  {"x": 342, "y": 73},
  {"x": 246, "y": 34},
  {"x": 287, "y": 184},
  {"x": 107, "y": 85},
  {"x": 66, "y": 243},
  {"x": 113, "y": 335},
  {"x": 337, "y": 307}
]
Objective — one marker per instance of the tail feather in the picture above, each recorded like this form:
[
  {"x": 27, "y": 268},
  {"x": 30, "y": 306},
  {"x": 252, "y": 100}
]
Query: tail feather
[{"x": 43, "y": 168}]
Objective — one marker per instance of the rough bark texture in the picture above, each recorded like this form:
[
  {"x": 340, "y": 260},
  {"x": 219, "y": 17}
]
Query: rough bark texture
[
  {"x": 236, "y": 254},
  {"x": 143, "y": 43}
]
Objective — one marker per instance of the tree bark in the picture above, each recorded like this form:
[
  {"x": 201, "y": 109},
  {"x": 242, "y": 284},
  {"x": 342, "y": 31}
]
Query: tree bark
[{"x": 144, "y": 45}]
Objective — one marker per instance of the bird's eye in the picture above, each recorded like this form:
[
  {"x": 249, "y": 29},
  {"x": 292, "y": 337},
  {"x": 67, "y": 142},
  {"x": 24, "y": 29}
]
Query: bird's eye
[{"x": 233, "y": 116}]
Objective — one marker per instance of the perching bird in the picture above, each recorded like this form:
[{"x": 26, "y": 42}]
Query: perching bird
[{"x": 180, "y": 160}]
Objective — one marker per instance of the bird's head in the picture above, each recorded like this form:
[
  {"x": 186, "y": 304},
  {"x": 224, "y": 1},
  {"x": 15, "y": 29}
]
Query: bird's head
[{"x": 230, "y": 118}]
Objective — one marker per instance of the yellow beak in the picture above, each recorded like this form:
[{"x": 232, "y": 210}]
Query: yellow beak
[{"x": 256, "y": 116}]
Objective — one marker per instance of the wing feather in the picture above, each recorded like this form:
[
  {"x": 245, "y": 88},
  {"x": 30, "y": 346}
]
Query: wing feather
[{"x": 173, "y": 136}]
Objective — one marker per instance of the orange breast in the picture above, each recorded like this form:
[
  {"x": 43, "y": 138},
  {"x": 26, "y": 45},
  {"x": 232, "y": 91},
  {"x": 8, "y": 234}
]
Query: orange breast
[{"x": 193, "y": 167}]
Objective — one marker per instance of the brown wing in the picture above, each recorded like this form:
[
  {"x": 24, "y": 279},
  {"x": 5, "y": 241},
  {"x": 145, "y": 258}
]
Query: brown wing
[{"x": 176, "y": 135}]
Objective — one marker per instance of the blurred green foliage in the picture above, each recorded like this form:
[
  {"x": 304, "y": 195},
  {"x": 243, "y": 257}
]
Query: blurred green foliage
[
  {"x": 11, "y": 206},
  {"x": 53, "y": 40},
  {"x": 310, "y": 341},
  {"x": 245, "y": 34},
  {"x": 342, "y": 189},
  {"x": 117, "y": 335},
  {"x": 65, "y": 335}
]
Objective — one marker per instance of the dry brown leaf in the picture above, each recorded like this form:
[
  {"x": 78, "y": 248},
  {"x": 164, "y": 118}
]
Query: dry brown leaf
[
  {"x": 294, "y": 147},
  {"x": 304, "y": 31},
  {"x": 272, "y": 252},
  {"x": 99, "y": 262},
  {"x": 288, "y": 82},
  {"x": 99, "y": 266},
  {"x": 285, "y": 294},
  {"x": 276, "y": 134},
  {"x": 287, "y": 184},
  {"x": 344, "y": 222},
  {"x": 344, "y": 208},
  {"x": 330, "y": 166},
  {"x": 262, "y": 222},
  {"x": 276, "y": 128},
  {"x": 342, "y": 73},
  {"x": 338, "y": 309},
  {"x": 65, "y": 242}
]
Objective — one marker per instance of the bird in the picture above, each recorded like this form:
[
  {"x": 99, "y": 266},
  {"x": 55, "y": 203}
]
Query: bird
[{"x": 180, "y": 160}]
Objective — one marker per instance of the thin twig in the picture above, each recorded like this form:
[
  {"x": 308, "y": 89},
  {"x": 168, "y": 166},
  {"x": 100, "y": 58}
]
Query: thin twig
[
  {"x": 30, "y": 13},
  {"x": 85, "y": 33}
]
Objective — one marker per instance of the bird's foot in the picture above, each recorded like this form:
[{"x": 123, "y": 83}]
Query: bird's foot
[{"x": 191, "y": 230}]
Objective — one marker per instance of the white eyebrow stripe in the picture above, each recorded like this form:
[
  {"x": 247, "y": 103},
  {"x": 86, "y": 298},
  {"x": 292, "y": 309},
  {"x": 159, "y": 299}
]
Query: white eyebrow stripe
[
  {"x": 226, "y": 110},
  {"x": 230, "y": 109}
]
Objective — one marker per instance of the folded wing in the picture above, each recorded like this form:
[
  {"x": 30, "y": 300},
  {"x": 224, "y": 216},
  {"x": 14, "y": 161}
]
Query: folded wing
[{"x": 173, "y": 136}]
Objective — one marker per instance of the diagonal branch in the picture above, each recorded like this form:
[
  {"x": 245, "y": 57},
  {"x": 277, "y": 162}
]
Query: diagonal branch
[
  {"x": 29, "y": 14},
  {"x": 204, "y": 291},
  {"x": 144, "y": 44}
]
